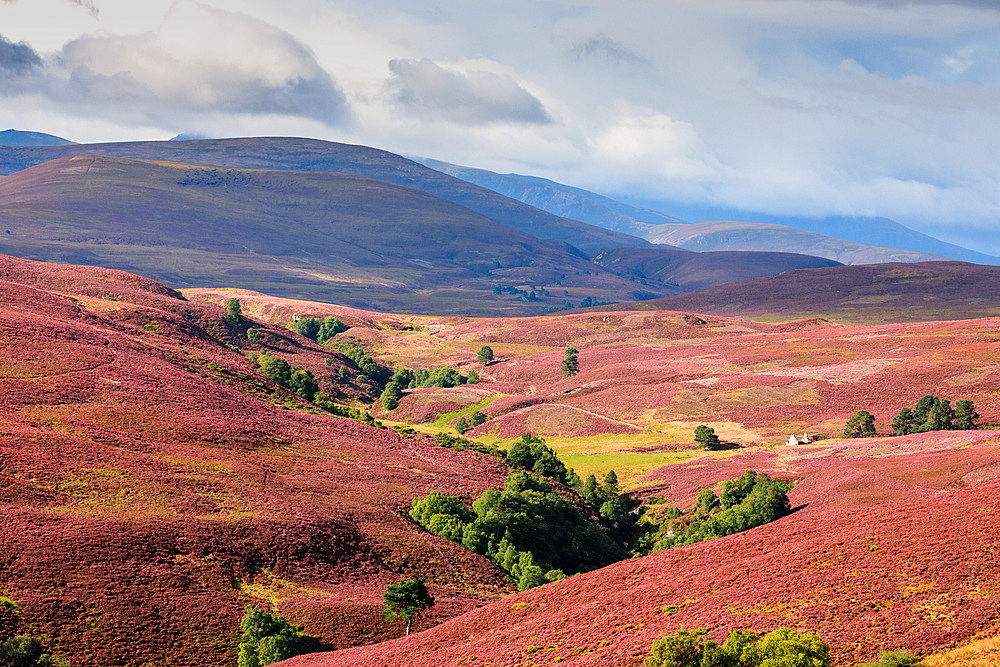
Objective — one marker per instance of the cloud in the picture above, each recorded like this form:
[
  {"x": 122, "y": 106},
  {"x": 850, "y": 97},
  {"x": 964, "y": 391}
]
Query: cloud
[
  {"x": 17, "y": 59},
  {"x": 202, "y": 60},
  {"x": 604, "y": 48},
  {"x": 89, "y": 5},
  {"x": 427, "y": 90}
]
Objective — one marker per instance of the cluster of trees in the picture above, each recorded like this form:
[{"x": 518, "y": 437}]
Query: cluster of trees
[
  {"x": 466, "y": 422},
  {"x": 26, "y": 651},
  {"x": 405, "y": 378},
  {"x": 571, "y": 365},
  {"x": 929, "y": 414},
  {"x": 524, "y": 294},
  {"x": 935, "y": 414},
  {"x": 784, "y": 647},
  {"x": 319, "y": 330},
  {"x": 268, "y": 638},
  {"x": 297, "y": 379},
  {"x": 750, "y": 501},
  {"x": 361, "y": 357},
  {"x": 461, "y": 444},
  {"x": 619, "y": 511},
  {"x": 529, "y": 531},
  {"x": 531, "y": 453}
]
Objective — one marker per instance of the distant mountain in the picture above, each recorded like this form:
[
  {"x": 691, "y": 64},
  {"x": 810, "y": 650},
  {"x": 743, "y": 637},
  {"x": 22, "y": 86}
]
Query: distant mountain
[
  {"x": 321, "y": 236},
  {"x": 293, "y": 154},
  {"x": 562, "y": 200},
  {"x": 724, "y": 235},
  {"x": 874, "y": 231},
  {"x": 697, "y": 270},
  {"x": 872, "y": 293},
  {"x": 21, "y": 138},
  {"x": 189, "y": 136}
]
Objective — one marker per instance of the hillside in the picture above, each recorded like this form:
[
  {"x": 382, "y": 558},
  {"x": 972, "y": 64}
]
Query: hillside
[
  {"x": 876, "y": 293},
  {"x": 908, "y": 569},
  {"x": 838, "y": 238},
  {"x": 153, "y": 482},
  {"x": 22, "y": 138},
  {"x": 329, "y": 237},
  {"x": 697, "y": 270},
  {"x": 291, "y": 154},
  {"x": 716, "y": 236},
  {"x": 562, "y": 200}
]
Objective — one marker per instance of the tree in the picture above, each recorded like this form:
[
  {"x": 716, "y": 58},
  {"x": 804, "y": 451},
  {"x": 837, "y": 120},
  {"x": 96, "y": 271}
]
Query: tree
[
  {"x": 461, "y": 425},
  {"x": 902, "y": 424},
  {"x": 681, "y": 649},
  {"x": 570, "y": 365},
  {"x": 965, "y": 415},
  {"x": 391, "y": 396},
  {"x": 485, "y": 355},
  {"x": 786, "y": 647},
  {"x": 861, "y": 425},
  {"x": 405, "y": 600},
  {"x": 275, "y": 368},
  {"x": 307, "y": 326},
  {"x": 268, "y": 638},
  {"x": 331, "y": 327},
  {"x": 234, "y": 310},
  {"x": 706, "y": 437},
  {"x": 939, "y": 417}
]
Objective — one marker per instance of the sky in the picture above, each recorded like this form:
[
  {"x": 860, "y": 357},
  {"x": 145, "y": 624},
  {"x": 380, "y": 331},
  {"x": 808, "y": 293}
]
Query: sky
[{"x": 801, "y": 108}]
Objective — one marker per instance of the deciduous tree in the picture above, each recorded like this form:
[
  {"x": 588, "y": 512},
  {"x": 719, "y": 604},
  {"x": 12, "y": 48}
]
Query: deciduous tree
[{"x": 405, "y": 600}]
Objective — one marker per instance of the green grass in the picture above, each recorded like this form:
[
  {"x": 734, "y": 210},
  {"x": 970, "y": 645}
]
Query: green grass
[{"x": 631, "y": 467}]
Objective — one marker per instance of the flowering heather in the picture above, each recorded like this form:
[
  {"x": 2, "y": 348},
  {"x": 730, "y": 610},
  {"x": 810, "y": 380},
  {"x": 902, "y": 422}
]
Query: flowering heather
[
  {"x": 912, "y": 569},
  {"x": 151, "y": 483}
]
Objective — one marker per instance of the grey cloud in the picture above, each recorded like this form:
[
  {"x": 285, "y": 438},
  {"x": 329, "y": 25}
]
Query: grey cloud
[
  {"x": 146, "y": 78},
  {"x": 603, "y": 47},
  {"x": 426, "y": 89},
  {"x": 17, "y": 59}
]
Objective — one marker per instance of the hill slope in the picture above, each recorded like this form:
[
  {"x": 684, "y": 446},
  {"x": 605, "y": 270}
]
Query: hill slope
[
  {"x": 871, "y": 293},
  {"x": 869, "y": 576},
  {"x": 329, "y": 237},
  {"x": 153, "y": 482},
  {"x": 715, "y": 236},
  {"x": 698, "y": 270},
  {"x": 279, "y": 153},
  {"x": 22, "y": 138},
  {"x": 562, "y": 200}
]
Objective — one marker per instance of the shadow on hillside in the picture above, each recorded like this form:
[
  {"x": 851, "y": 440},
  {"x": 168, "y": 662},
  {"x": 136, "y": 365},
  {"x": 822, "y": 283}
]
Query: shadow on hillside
[{"x": 726, "y": 446}]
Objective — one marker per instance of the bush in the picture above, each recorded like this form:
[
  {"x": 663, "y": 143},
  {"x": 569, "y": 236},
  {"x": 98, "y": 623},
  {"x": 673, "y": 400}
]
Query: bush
[
  {"x": 234, "y": 311},
  {"x": 894, "y": 659},
  {"x": 784, "y": 647},
  {"x": 268, "y": 638}
]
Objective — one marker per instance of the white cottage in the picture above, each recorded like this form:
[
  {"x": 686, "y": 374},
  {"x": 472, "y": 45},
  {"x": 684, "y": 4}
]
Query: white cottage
[{"x": 795, "y": 440}]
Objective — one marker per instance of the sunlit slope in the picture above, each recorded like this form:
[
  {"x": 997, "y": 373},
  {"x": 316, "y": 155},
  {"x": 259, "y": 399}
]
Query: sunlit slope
[
  {"x": 329, "y": 237},
  {"x": 871, "y": 293},
  {"x": 153, "y": 483}
]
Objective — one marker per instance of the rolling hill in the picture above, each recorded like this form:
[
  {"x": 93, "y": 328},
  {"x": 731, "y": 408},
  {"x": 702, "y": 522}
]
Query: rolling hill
[
  {"x": 871, "y": 293},
  {"x": 698, "y": 270},
  {"x": 22, "y": 138},
  {"x": 884, "y": 240},
  {"x": 153, "y": 482},
  {"x": 330, "y": 237},
  {"x": 562, "y": 200},
  {"x": 716, "y": 236},
  {"x": 291, "y": 154}
]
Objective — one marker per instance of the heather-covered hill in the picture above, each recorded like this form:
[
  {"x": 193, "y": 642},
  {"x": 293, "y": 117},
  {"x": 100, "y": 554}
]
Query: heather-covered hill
[
  {"x": 910, "y": 568},
  {"x": 697, "y": 270},
  {"x": 283, "y": 153},
  {"x": 872, "y": 293},
  {"x": 726, "y": 235},
  {"x": 22, "y": 138},
  {"x": 647, "y": 379},
  {"x": 152, "y": 482},
  {"x": 329, "y": 237}
]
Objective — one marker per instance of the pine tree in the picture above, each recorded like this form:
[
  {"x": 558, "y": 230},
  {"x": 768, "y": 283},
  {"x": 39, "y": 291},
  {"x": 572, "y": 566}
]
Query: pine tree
[
  {"x": 570, "y": 365},
  {"x": 405, "y": 600}
]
